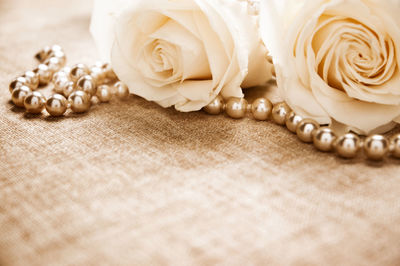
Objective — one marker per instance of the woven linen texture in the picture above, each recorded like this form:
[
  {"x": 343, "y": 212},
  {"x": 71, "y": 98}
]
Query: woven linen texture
[{"x": 134, "y": 184}]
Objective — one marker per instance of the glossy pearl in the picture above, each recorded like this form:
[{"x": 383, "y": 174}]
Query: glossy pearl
[
  {"x": 60, "y": 74},
  {"x": 306, "y": 129},
  {"x": 279, "y": 113},
  {"x": 97, "y": 74},
  {"x": 66, "y": 70},
  {"x": 215, "y": 107},
  {"x": 324, "y": 138},
  {"x": 34, "y": 102},
  {"x": 395, "y": 146},
  {"x": 109, "y": 72},
  {"x": 43, "y": 54},
  {"x": 80, "y": 101},
  {"x": 121, "y": 91},
  {"x": 56, "y": 105},
  {"x": 47, "y": 52},
  {"x": 56, "y": 47},
  {"x": 55, "y": 64},
  {"x": 60, "y": 81},
  {"x": 17, "y": 83},
  {"x": 104, "y": 93},
  {"x": 61, "y": 57},
  {"x": 292, "y": 121},
  {"x": 32, "y": 79},
  {"x": 110, "y": 75},
  {"x": 44, "y": 73},
  {"x": 68, "y": 89},
  {"x": 236, "y": 108},
  {"x": 376, "y": 147},
  {"x": 18, "y": 95},
  {"x": 348, "y": 145},
  {"x": 261, "y": 109},
  {"x": 87, "y": 84},
  {"x": 78, "y": 71}
]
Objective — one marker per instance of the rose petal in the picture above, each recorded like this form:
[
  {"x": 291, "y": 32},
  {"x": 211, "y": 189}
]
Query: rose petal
[
  {"x": 104, "y": 16},
  {"x": 195, "y": 64},
  {"x": 308, "y": 64},
  {"x": 134, "y": 80},
  {"x": 195, "y": 90}
]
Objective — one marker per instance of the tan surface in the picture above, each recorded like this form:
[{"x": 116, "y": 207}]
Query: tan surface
[{"x": 131, "y": 183}]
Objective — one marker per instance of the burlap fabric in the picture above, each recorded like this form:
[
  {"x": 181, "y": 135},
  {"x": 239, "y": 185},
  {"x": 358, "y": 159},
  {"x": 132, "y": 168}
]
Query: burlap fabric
[{"x": 134, "y": 184}]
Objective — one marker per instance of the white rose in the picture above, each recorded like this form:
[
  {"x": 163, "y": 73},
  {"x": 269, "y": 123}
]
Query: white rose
[
  {"x": 182, "y": 52},
  {"x": 337, "y": 61}
]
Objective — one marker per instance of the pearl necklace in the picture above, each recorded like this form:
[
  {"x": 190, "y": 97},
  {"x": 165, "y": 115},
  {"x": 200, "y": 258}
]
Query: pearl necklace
[
  {"x": 348, "y": 146},
  {"x": 83, "y": 86},
  {"x": 80, "y": 84}
]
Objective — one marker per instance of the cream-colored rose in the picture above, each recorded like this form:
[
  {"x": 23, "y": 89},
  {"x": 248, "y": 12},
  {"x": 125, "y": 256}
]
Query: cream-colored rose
[
  {"x": 337, "y": 61},
  {"x": 181, "y": 53}
]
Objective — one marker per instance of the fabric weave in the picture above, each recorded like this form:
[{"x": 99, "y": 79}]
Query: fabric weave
[{"x": 133, "y": 184}]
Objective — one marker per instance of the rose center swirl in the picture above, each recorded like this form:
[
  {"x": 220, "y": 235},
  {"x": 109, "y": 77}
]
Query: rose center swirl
[
  {"x": 161, "y": 57},
  {"x": 349, "y": 52}
]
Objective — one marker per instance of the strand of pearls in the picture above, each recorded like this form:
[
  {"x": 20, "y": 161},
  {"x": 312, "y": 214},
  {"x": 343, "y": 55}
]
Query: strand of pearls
[
  {"x": 375, "y": 147},
  {"x": 75, "y": 87},
  {"x": 82, "y": 85}
]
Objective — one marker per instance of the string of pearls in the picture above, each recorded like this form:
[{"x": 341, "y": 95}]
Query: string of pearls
[
  {"x": 375, "y": 147},
  {"x": 75, "y": 88},
  {"x": 82, "y": 85}
]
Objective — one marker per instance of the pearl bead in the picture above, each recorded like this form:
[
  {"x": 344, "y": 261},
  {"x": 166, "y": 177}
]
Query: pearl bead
[
  {"x": 348, "y": 145},
  {"x": 66, "y": 70},
  {"x": 376, "y": 147},
  {"x": 86, "y": 84},
  {"x": 55, "y": 64},
  {"x": 97, "y": 74},
  {"x": 109, "y": 72},
  {"x": 279, "y": 113},
  {"x": 236, "y": 107},
  {"x": 395, "y": 146},
  {"x": 18, "y": 95},
  {"x": 17, "y": 83},
  {"x": 324, "y": 138},
  {"x": 80, "y": 101},
  {"x": 261, "y": 109},
  {"x": 68, "y": 89},
  {"x": 56, "y": 47},
  {"x": 60, "y": 74},
  {"x": 60, "y": 81},
  {"x": 44, "y": 73},
  {"x": 292, "y": 121},
  {"x": 78, "y": 71},
  {"x": 61, "y": 57},
  {"x": 43, "y": 54},
  {"x": 47, "y": 52},
  {"x": 306, "y": 129},
  {"x": 111, "y": 76},
  {"x": 32, "y": 79},
  {"x": 215, "y": 107},
  {"x": 56, "y": 105},
  {"x": 34, "y": 102},
  {"x": 104, "y": 93},
  {"x": 121, "y": 90}
]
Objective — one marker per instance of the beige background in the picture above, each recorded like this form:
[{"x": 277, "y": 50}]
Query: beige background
[{"x": 134, "y": 184}]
